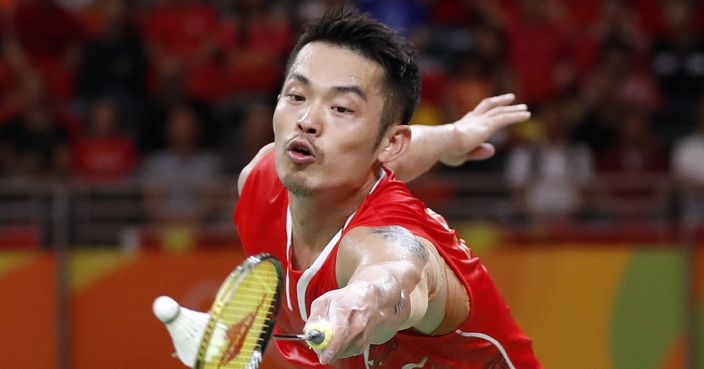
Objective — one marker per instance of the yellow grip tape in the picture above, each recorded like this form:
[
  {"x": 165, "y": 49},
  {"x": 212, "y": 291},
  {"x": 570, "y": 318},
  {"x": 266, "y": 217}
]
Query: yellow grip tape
[{"x": 325, "y": 329}]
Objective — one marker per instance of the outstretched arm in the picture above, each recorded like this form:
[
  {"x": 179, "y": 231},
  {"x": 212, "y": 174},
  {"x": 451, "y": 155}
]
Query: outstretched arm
[
  {"x": 454, "y": 143},
  {"x": 451, "y": 144},
  {"x": 385, "y": 279}
]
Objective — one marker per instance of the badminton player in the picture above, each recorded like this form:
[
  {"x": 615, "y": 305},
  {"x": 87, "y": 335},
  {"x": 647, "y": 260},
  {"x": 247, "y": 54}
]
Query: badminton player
[{"x": 399, "y": 288}]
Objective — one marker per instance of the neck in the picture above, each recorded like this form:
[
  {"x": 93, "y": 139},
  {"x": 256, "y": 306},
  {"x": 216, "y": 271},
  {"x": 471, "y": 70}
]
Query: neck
[{"x": 316, "y": 219}]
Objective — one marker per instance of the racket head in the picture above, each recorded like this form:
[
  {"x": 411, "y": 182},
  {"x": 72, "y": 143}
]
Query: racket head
[{"x": 242, "y": 316}]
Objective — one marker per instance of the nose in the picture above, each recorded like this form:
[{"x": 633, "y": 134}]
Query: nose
[{"x": 310, "y": 121}]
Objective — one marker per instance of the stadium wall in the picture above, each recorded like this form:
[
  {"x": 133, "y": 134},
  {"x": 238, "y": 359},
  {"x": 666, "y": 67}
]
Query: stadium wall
[{"x": 585, "y": 306}]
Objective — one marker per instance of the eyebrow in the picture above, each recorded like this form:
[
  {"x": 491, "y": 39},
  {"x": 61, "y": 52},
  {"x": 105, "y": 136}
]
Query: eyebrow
[{"x": 339, "y": 89}]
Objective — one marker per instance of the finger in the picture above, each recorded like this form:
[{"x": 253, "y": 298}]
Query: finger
[
  {"x": 491, "y": 102},
  {"x": 507, "y": 109},
  {"x": 359, "y": 337},
  {"x": 352, "y": 335},
  {"x": 482, "y": 152},
  {"x": 511, "y": 118},
  {"x": 318, "y": 309},
  {"x": 326, "y": 309},
  {"x": 337, "y": 342},
  {"x": 357, "y": 350}
]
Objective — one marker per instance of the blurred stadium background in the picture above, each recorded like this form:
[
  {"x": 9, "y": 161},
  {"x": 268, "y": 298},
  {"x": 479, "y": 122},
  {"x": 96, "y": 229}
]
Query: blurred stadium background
[{"x": 123, "y": 124}]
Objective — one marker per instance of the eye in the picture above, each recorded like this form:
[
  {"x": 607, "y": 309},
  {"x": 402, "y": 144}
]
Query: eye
[
  {"x": 341, "y": 109},
  {"x": 295, "y": 98}
]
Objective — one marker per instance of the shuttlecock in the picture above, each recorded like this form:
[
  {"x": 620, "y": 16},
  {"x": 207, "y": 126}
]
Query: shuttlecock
[{"x": 185, "y": 326}]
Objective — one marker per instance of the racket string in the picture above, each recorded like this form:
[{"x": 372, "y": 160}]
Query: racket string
[{"x": 251, "y": 301}]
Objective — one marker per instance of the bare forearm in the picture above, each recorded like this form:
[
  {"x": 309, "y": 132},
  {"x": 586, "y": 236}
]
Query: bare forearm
[
  {"x": 463, "y": 140},
  {"x": 428, "y": 145},
  {"x": 383, "y": 289}
]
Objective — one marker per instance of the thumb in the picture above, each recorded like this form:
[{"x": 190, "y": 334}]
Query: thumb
[{"x": 482, "y": 152}]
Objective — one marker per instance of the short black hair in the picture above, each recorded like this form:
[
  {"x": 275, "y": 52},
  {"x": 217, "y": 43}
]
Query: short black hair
[{"x": 372, "y": 39}]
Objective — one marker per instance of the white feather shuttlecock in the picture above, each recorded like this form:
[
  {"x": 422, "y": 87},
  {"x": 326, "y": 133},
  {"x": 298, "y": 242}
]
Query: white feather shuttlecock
[{"x": 185, "y": 326}]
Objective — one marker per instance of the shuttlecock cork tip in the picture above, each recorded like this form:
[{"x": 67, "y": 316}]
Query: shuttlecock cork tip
[{"x": 165, "y": 308}]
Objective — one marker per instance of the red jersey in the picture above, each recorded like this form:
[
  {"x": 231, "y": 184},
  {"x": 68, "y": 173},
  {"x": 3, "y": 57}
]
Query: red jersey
[{"x": 488, "y": 339}]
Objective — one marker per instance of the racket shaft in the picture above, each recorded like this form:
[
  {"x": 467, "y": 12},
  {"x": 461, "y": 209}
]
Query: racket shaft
[{"x": 312, "y": 336}]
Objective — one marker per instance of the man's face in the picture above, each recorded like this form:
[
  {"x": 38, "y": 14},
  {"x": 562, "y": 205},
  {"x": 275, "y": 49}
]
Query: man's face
[{"x": 327, "y": 120}]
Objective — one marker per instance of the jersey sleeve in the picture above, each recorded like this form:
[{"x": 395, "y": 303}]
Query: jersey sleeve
[{"x": 393, "y": 204}]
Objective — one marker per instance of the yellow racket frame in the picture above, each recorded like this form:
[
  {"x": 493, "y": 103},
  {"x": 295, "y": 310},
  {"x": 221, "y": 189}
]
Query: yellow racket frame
[{"x": 242, "y": 316}]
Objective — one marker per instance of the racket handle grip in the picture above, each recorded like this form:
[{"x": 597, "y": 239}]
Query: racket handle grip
[{"x": 319, "y": 335}]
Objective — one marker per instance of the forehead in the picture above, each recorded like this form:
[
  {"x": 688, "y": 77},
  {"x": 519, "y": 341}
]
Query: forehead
[{"x": 329, "y": 65}]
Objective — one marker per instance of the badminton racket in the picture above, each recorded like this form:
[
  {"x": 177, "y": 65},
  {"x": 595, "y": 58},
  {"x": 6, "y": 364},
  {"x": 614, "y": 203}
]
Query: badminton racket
[
  {"x": 242, "y": 316},
  {"x": 235, "y": 333}
]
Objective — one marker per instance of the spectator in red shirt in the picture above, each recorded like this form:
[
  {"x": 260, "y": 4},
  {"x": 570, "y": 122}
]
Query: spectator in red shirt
[
  {"x": 259, "y": 37},
  {"x": 538, "y": 52},
  {"x": 477, "y": 73},
  {"x": 45, "y": 29},
  {"x": 183, "y": 39},
  {"x": 50, "y": 37},
  {"x": 104, "y": 153},
  {"x": 182, "y": 28}
]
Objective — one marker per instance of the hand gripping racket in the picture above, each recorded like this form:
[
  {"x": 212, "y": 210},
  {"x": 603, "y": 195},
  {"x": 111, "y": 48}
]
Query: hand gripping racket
[{"x": 317, "y": 336}]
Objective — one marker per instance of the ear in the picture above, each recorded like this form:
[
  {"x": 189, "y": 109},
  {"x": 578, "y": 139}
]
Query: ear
[{"x": 394, "y": 144}]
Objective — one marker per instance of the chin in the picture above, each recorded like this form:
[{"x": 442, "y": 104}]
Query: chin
[{"x": 297, "y": 186}]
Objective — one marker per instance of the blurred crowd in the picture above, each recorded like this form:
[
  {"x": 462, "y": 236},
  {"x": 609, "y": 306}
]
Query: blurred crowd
[{"x": 178, "y": 93}]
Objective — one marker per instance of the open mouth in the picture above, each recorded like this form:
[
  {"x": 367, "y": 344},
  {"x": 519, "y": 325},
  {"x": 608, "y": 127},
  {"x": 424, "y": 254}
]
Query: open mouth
[{"x": 301, "y": 152}]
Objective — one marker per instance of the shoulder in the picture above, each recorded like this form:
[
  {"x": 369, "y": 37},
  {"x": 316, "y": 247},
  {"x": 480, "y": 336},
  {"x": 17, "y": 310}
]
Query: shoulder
[
  {"x": 388, "y": 234},
  {"x": 392, "y": 204},
  {"x": 260, "y": 192},
  {"x": 378, "y": 244},
  {"x": 389, "y": 194},
  {"x": 247, "y": 170}
]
